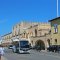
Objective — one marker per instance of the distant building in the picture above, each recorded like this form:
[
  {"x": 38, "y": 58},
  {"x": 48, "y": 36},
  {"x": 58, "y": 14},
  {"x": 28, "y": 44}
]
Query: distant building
[{"x": 6, "y": 39}]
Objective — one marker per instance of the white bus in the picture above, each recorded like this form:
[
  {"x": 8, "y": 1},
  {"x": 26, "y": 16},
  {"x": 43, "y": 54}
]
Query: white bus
[{"x": 21, "y": 46}]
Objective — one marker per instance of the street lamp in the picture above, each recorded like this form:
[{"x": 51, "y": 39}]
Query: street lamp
[{"x": 57, "y": 9}]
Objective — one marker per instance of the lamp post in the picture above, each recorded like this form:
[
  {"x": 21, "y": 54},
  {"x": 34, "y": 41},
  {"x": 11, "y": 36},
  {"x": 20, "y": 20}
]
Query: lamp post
[{"x": 57, "y": 9}]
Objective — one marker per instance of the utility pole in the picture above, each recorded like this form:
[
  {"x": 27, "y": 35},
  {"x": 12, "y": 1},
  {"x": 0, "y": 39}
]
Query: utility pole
[{"x": 57, "y": 9}]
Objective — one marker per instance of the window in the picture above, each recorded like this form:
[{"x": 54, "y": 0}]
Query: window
[
  {"x": 40, "y": 34},
  {"x": 35, "y": 32},
  {"x": 31, "y": 33},
  {"x": 55, "y": 41},
  {"x": 55, "y": 28},
  {"x": 24, "y": 35},
  {"x": 49, "y": 31},
  {"x": 32, "y": 42}
]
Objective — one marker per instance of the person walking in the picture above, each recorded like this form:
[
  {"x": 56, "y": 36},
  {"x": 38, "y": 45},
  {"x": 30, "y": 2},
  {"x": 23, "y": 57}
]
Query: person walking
[{"x": 1, "y": 51}]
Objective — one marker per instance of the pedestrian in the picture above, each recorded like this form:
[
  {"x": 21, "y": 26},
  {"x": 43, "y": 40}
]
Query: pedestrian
[{"x": 1, "y": 51}]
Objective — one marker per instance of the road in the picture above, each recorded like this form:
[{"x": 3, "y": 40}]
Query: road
[{"x": 34, "y": 55}]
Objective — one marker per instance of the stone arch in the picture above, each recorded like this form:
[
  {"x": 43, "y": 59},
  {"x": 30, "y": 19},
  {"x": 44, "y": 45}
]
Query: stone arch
[{"x": 41, "y": 44}]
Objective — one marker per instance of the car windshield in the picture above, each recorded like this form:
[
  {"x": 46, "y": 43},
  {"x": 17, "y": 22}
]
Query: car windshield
[{"x": 10, "y": 46}]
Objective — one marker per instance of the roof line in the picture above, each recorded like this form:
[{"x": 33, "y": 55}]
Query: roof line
[{"x": 54, "y": 19}]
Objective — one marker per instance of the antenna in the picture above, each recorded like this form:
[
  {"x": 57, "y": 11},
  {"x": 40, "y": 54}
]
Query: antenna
[{"x": 57, "y": 9}]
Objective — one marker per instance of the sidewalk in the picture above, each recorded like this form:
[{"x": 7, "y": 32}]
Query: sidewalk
[
  {"x": 43, "y": 50},
  {"x": 3, "y": 58}
]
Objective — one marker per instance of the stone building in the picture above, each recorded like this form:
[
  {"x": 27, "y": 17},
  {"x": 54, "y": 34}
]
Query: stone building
[
  {"x": 20, "y": 29},
  {"x": 55, "y": 31},
  {"x": 36, "y": 33},
  {"x": 6, "y": 39},
  {"x": 40, "y": 34}
]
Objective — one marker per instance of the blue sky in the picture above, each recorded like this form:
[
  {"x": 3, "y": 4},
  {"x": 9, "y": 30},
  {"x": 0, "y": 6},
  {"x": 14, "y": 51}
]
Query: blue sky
[{"x": 15, "y": 11}]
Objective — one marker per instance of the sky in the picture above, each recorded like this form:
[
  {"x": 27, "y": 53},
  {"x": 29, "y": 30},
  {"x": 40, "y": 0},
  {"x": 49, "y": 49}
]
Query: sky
[{"x": 15, "y": 11}]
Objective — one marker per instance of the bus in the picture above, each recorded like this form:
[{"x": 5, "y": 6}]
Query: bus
[{"x": 21, "y": 46}]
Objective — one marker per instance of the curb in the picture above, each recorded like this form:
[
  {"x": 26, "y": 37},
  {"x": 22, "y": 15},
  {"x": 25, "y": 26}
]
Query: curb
[{"x": 43, "y": 51}]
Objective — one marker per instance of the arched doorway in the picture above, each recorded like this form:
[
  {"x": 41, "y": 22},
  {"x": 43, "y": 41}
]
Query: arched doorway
[
  {"x": 35, "y": 32},
  {"x": 41, "y": 44},
  {"x": 48, "y": 42}
]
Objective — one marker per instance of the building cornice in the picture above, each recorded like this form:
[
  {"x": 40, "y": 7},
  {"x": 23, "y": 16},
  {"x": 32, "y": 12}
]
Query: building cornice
[
  {"x": 6, "y": 34},
  {"x": 54, "y": 19}
]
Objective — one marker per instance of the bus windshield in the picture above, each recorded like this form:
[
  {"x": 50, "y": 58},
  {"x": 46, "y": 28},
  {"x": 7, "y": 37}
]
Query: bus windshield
[{"x": 24, "y": 44}]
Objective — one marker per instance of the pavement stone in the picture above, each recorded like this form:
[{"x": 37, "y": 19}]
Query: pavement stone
[{"x": 3, "y": 58}]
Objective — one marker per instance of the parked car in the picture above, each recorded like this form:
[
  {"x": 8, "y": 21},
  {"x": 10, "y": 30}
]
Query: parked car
[
  {"x": 58, "y": 48},
  {"x": 34, "y": 47},
  {"x": 54, "y": 48},
  {"x": 10, "y": 46},
  {"x": 50, "y": 48}
]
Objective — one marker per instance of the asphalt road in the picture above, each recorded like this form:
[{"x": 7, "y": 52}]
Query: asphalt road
[{"x": 34, "y": 55}]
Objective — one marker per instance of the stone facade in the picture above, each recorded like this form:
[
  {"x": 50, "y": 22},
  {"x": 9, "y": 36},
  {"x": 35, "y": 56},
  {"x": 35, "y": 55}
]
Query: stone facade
[
  {"x": 6, "y": 39},
  {"x": 40, "y": 32},
  {"x": 33, "y": 31},
  {"x": 55, "y": 31}
]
